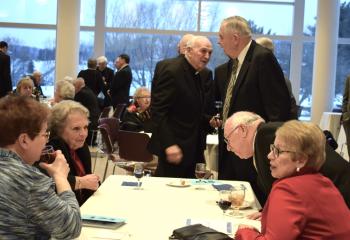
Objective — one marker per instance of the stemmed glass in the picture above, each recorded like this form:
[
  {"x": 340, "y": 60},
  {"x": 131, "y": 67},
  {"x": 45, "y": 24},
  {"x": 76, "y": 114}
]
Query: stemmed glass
[
  {"x": 138, "y": 173},
  {"x": 224, "y": 201},
  {"x": 218, "y": 106},
  {"x": 237, "y": 199},
  {"x": 200, "y": 172}
]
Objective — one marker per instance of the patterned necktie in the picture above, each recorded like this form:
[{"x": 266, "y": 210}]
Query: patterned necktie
[{"x": 228, "y": 96}]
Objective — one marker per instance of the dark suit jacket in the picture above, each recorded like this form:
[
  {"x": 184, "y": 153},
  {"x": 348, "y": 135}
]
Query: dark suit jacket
[
  {"x": 85, "y": 157},
  {"x": 177, "y": 108},
  {"x": 335, "y": 167},
  {"x": 260, "y": 87},
  {"x": 93, "y": 80},
  {"x": 120, "y": 86},
  {"x": 5, "y": 74},
  {"x": 89, "y": 100}
]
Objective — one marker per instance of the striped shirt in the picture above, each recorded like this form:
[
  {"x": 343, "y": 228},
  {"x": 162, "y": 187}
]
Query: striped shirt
[{"x": 29, "y": 205}]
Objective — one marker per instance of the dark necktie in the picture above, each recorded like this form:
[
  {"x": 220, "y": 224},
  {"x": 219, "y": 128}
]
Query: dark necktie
[{"x": 230, "y": 86}]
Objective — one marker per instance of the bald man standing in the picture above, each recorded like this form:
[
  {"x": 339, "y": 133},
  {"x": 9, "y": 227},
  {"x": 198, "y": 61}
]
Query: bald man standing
[{"x": 180, "y": 122}]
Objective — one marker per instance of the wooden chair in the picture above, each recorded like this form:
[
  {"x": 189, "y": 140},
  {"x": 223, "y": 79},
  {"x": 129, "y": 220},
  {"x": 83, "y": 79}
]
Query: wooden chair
[{"x": 133, "y": 147}]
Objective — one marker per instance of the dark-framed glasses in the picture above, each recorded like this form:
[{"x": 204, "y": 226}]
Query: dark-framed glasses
[{"x": 276, "y": 151}]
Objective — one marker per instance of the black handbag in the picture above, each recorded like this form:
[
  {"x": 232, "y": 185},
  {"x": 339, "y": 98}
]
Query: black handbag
[{"x": 198, "y": 232}]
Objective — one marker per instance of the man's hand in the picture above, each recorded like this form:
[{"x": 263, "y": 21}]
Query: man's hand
[
  {"x": 174, "y": 154},
  {"x": 215, "y": 122}
]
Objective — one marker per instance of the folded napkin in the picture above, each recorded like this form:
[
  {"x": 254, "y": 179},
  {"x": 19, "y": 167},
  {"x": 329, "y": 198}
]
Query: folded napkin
[
  {"x": 131, "y": 184},
  {"x": 220, "y": 187}
]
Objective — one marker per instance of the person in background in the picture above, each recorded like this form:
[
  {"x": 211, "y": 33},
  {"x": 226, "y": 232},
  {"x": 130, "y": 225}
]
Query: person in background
[
  {"x": 268, "y": 43},
  {"x": 88, "y": 99},
  {"x": 64, "y": 90},
  {"x": 252, "y": 80},
  {"x": 345, "y": 118},
  {"x": 107, "y": 76},
  {"x": 37, "y": 78},
  {"x": 178, "y": 112},
  {"x": 69, "y": 129},
  {"x": 5, "y": 70},
  {"x": 309, "y": 204},
  {"x": 249, "y": 137},
  {"x": 93, "y": 78},
  {"x": 120, "y": 86},
  {"x": 25, "y": 87},
  {"x": 33, "y": 205},
  {"x": 137, "y": 116}
]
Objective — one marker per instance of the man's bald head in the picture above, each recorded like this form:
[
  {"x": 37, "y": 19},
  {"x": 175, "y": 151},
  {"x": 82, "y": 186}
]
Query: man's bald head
[{"x": 181, "y": 47}]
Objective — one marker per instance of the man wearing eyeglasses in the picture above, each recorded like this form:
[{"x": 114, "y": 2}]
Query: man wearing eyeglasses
[{"x": 247, "y": 135}]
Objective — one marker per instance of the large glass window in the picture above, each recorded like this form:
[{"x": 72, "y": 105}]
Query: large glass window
[
  {"x": 31, "y": 49},
  {"x": 86, "y": 49},
  {"x": 310, "y": 14},
  {"x": 87, "y": 12},
  {"x": 213, "y": 12},
  {"x": 28, "y": 11},
  {"x": 180, "y": 15},
  {"x": 306, "y": 76}
]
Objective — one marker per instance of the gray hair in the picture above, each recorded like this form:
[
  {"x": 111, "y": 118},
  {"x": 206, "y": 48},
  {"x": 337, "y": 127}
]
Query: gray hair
[
  {"x": 65, "y": 89},
  {"x": 238, "y": 24},
  {"x": 266, "y": 42},
  {"x": 138, "y": 92},
  {"x": 60, "y": 113},
  {"x": 244, "y": 118},
  {"x": 102, "y": 59}
]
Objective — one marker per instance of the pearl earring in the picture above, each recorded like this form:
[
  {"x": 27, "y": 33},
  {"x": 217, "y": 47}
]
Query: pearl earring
[{"x": 298, "y": 169}]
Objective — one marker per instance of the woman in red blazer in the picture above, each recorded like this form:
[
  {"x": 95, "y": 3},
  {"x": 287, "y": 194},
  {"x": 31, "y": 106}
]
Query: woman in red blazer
[{"x": 303, "y": 204}]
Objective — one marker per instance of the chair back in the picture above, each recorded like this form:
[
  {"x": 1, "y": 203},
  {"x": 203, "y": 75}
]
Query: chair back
[
  {"x": 119, "y": 111},
  {"x": 113, "y": 125},
  {"x": 107, "y": 145},
  {"x": 105, "y": 112},
  {"x": 133, "y": 146}
]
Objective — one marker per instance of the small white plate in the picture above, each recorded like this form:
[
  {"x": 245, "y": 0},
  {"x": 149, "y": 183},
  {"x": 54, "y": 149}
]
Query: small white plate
[{"x": 179, "y": 183}]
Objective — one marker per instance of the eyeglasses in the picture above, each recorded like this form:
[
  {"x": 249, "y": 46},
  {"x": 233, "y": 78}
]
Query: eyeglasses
[
  {"x": 276, "y": 151},
  {"x": 226, "y": 139}
]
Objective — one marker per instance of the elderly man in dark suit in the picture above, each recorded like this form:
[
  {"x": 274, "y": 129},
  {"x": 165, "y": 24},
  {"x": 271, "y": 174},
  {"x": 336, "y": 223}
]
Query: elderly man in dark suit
[
  {"x": 5, "y": 70},
  {"x": 120, "y": 86},
  {"x": 248, "y": 135},
  {"x": 178, "y": 112},
  {"x": 252, "y": 80}
]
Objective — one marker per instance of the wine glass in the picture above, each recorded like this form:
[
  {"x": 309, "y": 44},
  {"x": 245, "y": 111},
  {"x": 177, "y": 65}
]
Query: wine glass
[
  {"x": 218, "y": 106},
  {"x": 138, "y": 173},
  {"x": 224, "y": 201},
  {"x": 200, "y": 172},
  {"x": 237, "y": 199},
  {"x": 48, "y": 154}
]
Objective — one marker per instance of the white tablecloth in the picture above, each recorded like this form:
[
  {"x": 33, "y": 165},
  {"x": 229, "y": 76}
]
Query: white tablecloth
[
  {"x": 158, "y": 209},
  {"x": 211, "y": 154}
]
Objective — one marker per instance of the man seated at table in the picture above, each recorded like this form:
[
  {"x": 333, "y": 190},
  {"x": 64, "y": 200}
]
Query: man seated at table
[{"x": 248, "y": 135}]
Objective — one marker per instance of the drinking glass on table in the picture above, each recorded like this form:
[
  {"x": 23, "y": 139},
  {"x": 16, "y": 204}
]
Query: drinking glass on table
[
  {"x": 138, "y": 173},
  {"x": 237, "y": 199},
  {"x": 224, "y": 200},
  {"x": 200, "y": 172},
  {"x": 48, "y": 154}
]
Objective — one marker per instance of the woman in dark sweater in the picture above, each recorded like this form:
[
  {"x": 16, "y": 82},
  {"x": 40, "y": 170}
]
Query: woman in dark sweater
[{"x": 69, "y": 129}]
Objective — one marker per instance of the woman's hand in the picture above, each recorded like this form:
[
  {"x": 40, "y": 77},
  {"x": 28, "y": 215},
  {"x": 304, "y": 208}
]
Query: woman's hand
[
  {"x": 89, "y": 181},
  {"x": 58, "y": 170},
  {"x": 59, "y": 167}
]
